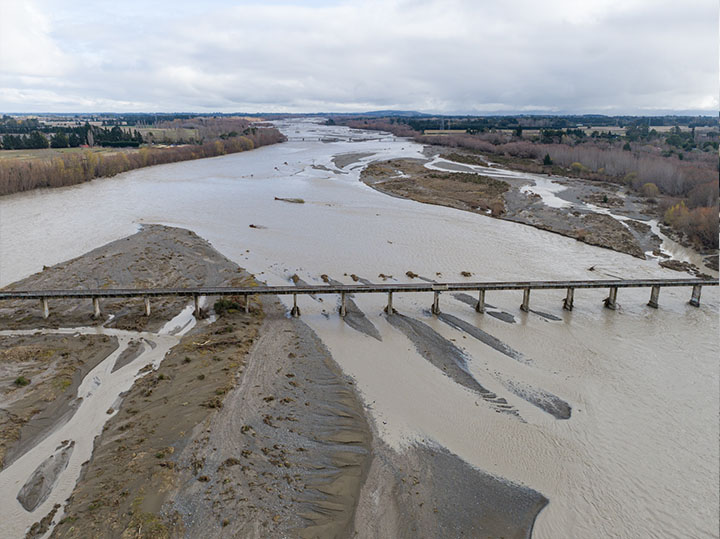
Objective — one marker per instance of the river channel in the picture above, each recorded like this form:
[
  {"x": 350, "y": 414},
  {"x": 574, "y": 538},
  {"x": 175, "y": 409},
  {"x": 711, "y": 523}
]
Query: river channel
[{"x": 637, "y": 458}]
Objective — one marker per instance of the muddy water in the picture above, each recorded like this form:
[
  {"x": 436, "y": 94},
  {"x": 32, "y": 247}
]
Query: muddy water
[
  {"x": 639, "y": 455},
  {"x": 99, "y": 394}
]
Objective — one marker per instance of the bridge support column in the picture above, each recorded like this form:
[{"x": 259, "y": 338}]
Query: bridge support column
[
  {"x": 295, "y": 311},
  {"x": 45, "y": 308},
  {"x": 196, "y": 302},
  {"x": 247, "y": 303},
  {"x": 480, "y": 307},
  {"x": 654, "y": 295},
  {"x": 389, "y": 308},
  {"x": 147, "y": 306},
  {"x": 96, "y": 308},
  {"x": 435, "y": 309},
  {"x": 695, "y": 299},
  {"x": 343, "y": 308},
  {"x": 611, "y": 300},
  {"x": 526, "y": 300},
  {"x": 569, "y": 298}
]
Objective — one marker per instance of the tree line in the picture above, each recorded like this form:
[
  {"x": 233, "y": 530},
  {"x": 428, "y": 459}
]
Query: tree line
[
  {"x": 30, "y": 133},
  {"x": 73, "y": 168},
  {"x": 72, "y": 137},
  {"x": 481, "y": 124}
]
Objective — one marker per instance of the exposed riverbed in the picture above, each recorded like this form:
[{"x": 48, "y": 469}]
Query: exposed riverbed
[{"x": 638, "y": 455}]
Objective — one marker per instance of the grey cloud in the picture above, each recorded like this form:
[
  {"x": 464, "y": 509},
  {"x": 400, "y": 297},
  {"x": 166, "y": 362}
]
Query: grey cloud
[{"x": 446, "y": 56}]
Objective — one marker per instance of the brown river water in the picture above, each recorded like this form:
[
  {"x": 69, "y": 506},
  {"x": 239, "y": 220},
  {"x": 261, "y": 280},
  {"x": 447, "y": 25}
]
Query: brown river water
[{"x": 639, "y": 455}]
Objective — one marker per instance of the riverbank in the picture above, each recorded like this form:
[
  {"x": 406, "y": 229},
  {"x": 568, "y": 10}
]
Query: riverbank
[
  {"x": 39, "y": 378},
  {"x": 59, "y": 169}
]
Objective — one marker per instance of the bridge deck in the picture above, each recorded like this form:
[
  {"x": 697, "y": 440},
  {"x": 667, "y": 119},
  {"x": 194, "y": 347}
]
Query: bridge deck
[{"x": 350, "y": 289}]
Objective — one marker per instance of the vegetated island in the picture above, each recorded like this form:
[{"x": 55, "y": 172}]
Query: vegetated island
[
  {"x": 507, "y": 199},
  {"x": 668, "y": 173},
  {"x": 35, "y": 153},
  {"x": 247, "y": 427},
  {"x": 671, "y": 165}
]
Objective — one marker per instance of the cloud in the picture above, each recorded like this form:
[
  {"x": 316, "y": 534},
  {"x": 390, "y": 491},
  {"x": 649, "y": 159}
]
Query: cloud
[
  {"x": 629, "y": 56},
  {"x": 26, "y": 49}
]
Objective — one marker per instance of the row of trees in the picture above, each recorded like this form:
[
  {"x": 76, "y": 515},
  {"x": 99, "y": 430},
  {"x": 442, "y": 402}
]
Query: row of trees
[
  {"x": 480, "y": 124},
  {"x": 203, "y": 128},
  {"x": 72, "y": 138},
  {"x": 74, "y": 168},
  {"x": 36, "y": 141}
]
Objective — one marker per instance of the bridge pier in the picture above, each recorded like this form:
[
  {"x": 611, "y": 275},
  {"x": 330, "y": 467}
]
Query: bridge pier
[
  {"x": 45, "y": 308},
  {"x": 435, "y": 309},
  {"x": 695, "y": 299},
  {"x": 389, "y": 308},
  {"x": 343, "y": 308},
  {"x": 147, "y": 306},
  {"x": 525, "y": 307},
  {"x": 611, "y": 300},
  {"x": 480, "y": 307},
  {"x": 569, "y": 298},
  {"x": 654, "y": 295},
  {"x": 96, "y": 308},
  {"x": 196, "y": 302},
  {"x": 247, "y": 303},
  {"x": 295, "y": 311}
]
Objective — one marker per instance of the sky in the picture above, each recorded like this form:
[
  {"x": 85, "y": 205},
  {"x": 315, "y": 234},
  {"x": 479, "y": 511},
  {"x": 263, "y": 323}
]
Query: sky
[{"x": 435, "y": 56}]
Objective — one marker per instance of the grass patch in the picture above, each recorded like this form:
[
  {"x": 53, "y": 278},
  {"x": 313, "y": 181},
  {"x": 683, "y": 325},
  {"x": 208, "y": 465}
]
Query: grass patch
[
  {"x": 464, "y": 158},
  {"x": 62, "y": 383}
]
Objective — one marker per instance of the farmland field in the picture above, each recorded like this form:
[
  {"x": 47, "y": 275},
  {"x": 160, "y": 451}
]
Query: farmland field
[{"x": 48, "y": 154}]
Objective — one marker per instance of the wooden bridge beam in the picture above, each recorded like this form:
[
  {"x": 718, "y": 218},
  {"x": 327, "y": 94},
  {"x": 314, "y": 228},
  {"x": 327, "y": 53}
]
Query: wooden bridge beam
[
  {"x": 611, "y": 300},
  {"x": 526, "y": 300},
  {"x": 389, "y": 308},
  {"x": 569, "y": 299},
  {"x": 343, "y": 308},
  {"x": 295, "y": 311},
  {"x": 654, "y": 295},
  {"x": 480, "y": 306},
  {"x": 695, "y": 299},
  {"x": 435, "y": 309}
]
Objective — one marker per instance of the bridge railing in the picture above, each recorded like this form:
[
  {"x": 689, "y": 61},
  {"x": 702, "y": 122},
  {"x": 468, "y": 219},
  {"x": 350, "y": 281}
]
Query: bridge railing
[{"x": 343, "y": 290}]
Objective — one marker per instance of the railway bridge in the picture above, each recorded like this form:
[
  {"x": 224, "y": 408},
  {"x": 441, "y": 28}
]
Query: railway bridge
[{"x": 481, "y": 288}]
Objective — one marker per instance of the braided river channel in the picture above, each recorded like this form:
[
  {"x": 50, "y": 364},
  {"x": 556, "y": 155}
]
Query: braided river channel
[{"x": 638, "y": 456}]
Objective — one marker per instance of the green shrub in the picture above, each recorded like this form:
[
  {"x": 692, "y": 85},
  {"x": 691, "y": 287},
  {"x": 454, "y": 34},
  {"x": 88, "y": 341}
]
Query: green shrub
[
  {"x": 650, "y": 190},
  {"x": 224, "y": 305}
]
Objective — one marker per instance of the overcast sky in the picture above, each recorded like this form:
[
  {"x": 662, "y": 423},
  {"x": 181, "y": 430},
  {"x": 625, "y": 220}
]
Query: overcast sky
[{"x": 442, "y": 56}]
